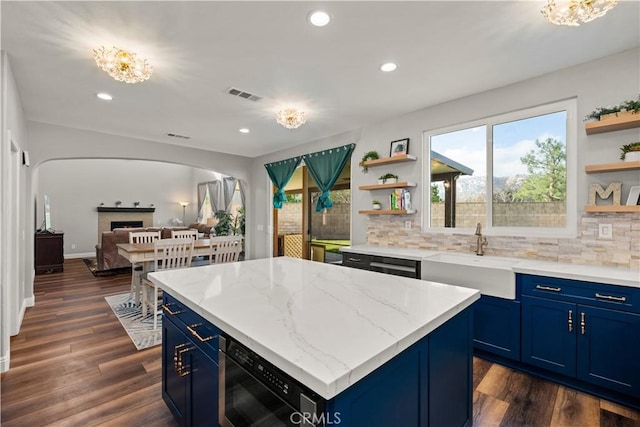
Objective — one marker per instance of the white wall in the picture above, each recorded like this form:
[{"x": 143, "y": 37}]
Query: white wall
[
  {"x": 607, "y": 81},
  {"x": 74, "y": 201},
  {"x": 16, "y": 267}
]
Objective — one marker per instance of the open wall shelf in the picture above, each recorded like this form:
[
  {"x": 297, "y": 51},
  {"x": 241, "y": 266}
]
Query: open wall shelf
[
  {"x": 385, "y": 186},
  {"x": 629, "y": 121},
  {"x": 390, "y": 160},
  {"x": 612, "y": 167},
  {"x": 610, "y": 208},
  {"x": 387, "y": 212}
]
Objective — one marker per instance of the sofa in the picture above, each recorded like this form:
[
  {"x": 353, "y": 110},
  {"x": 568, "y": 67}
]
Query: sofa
[{"x": 107, "y": 257}]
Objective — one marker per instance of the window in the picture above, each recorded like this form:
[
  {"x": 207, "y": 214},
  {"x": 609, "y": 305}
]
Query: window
[{"x": 514, "y": 173}]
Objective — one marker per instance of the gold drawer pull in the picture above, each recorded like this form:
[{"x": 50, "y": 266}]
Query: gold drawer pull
[
  {"x": 182, "y": 367},
  {"x": 583, "y": 323},
  {"x": 548, "y": 288},
  {"x": 570, "y": 320},
  {"x": 611, "y": 298},
  {"x": 166, "y": 308},
  {"x": 195, "y": 334}
]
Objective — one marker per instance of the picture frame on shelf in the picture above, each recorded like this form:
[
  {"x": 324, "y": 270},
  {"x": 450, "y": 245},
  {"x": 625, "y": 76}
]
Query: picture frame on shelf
[
  {"x": 634, "y": 196},
  {"x": 399, "y": 147}
]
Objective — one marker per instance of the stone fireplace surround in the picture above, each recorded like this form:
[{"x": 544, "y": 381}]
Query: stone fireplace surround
[{"x": 108, "y": 214}]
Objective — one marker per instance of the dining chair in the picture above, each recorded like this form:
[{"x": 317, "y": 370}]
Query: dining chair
[
  {"x": 224, "y": 249},
  {"x": 138, "y": 268},
  {"x": 181, "y": 234},
  {"x": 168, "y": 254}
]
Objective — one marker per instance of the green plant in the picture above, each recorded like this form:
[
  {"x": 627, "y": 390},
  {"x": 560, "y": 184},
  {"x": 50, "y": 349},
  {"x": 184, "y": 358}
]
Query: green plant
[
  {"x": 239, "y": 222},
  {"x": 634, "y": 146},
  {"x": 223, "y": 227},
  {"x": 375, "y": 202},
  {"x": 369, "y": 155},
  {"x": 632, "y": 105},
  {"x": 387, "y": 176}
]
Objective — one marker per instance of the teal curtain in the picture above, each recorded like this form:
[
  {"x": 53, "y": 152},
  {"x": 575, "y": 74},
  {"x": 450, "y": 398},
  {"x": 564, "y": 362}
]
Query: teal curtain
[
  {"x": 280, "y": 173},
  {"x": 325, "y": 167}
]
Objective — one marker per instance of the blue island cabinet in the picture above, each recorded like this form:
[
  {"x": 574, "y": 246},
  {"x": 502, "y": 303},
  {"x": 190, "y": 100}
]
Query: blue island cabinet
[
  {"x": 189, "y": 365},
  {"x": 428, "y": 384}
]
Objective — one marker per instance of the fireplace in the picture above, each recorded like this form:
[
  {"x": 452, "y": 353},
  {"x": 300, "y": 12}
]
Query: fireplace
[{"x": 126, "y": 224}]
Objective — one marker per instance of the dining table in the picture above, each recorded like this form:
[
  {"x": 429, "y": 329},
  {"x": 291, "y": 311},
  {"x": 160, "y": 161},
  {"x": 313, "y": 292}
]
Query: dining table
[{"x": 143, "y": 252}]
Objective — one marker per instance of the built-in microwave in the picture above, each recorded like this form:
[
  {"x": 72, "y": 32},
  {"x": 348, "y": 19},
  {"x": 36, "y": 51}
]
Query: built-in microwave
[{"x": 255, "y": 393}]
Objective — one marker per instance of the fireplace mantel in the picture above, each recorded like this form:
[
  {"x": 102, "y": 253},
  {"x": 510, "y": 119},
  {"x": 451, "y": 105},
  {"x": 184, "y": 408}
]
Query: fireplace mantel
[{"x": 125, "y": 210}]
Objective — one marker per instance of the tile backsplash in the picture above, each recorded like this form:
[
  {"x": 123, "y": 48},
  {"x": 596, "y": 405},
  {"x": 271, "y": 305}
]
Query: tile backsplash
[{"x": 622, "y": 251}]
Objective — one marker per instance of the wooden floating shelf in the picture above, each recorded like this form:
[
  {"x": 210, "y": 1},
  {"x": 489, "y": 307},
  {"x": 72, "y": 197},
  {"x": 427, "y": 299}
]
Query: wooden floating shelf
[
  {"x": 385, "y": 186},
  {"x": 387, "y": 212},
  {"x": 612, "y": 167},
  {"x": 621, "y": 208},
  {"x": 628, "y": 121},
  {"x": 390, "y": 160}
]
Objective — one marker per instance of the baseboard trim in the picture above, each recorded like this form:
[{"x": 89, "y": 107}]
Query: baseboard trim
[
  {"x": 30, "y": 302},
  {"x": 4, "y": 362},
  {"x": 81, "y": 255}
]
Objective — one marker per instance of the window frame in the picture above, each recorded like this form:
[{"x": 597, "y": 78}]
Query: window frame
[{"x": 570, "y": 228}]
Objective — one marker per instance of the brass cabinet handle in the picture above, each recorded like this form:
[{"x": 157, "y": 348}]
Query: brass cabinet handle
[
  {"x": 582, "y": 323},
  {"x": 195, "y": 334},
  {"x": 183, "y": 372},
  {"x": 166, "y": 308},
  {"x": 611, "y": 298},
  {"x": 548, "y": 288},
  {"x": 177, "y": 361},
  {"x": 570, "y": 320}
]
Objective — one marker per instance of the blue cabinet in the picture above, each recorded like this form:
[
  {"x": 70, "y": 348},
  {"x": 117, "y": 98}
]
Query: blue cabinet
[
  {"x": 583, "y": 330},
  {"x": 189, "y": 366},
  {"x": 548, "y": 334},
  {"x": 496, "y": 326}
]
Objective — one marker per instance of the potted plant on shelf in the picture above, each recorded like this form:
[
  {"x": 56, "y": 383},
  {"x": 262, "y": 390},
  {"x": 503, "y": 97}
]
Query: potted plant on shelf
[
  {"x": 630, "y": 152},
  {"x": 376, "y": 205},
  {"x": 624, "y": 108},
  {"x": 370, "y": 155},
  {"x": 388, "y": 178}
]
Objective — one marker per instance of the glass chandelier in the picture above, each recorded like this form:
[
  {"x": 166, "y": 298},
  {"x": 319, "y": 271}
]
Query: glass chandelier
[
  {"x": 576, "y": 12},
  {"x": 291, "y": 118},
  {"x": 122, "y": 65}
]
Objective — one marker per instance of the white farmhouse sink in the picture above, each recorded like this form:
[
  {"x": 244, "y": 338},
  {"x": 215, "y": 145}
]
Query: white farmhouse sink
[{"x": 490, "y": 275}]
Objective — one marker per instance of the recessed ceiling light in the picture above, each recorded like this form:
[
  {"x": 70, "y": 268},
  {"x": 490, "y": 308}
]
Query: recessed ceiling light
[
  {"x": 319, "y": 18},
  {"x": 389, "y": 66},
  {"x": 244, "y": 130},
  {"x": 104, "y": 96}
]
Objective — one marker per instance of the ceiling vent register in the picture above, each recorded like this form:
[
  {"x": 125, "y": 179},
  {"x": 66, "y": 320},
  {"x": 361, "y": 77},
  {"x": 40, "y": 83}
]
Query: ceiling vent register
[{"x": 242, "y": 94}]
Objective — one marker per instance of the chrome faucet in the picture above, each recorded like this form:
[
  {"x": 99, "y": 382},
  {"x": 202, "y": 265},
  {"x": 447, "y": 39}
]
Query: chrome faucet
[{"x": 481, "y": 242}]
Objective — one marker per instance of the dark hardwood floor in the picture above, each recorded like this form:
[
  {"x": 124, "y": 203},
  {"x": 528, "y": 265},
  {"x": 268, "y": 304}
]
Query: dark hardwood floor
[{"x": 72, "y": 364}]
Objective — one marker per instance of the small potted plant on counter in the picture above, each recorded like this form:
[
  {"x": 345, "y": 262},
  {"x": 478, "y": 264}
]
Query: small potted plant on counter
[
  {"x": 630, "y": 152},
  {"x": 376, "y": 205},
  {"x": 370, "y": 155},
  {"x": 388, "y": 178}
]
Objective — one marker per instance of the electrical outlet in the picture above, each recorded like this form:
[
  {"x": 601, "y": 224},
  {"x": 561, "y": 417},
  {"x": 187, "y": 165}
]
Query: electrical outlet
[
  {"x": 407, "y": 225},
  {"x": 73, "y": 246},
  {"x": 605, "y": 231},
  {"x": 260, "y": 227}
]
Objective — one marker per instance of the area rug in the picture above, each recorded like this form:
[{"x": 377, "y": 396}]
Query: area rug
[
  {"x": 93, "y": 268},
  {"x": 140, "y": 329}
]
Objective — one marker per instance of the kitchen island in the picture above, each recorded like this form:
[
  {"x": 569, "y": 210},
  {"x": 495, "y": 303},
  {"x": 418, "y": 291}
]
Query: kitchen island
[{"x": 375, "y": 348}]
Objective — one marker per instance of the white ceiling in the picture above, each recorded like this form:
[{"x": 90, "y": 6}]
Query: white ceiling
[{"x": 444, "y": 51}]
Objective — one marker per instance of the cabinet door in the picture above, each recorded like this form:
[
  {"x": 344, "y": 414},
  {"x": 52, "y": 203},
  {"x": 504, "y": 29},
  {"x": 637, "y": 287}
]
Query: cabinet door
[
  {"x": 548, "y": 334},
  {"x": 496, "y": 326},
  {"x": 203, "y": 390},
  {"x": 609, "y": 349},
  {"x": 173, "y": 384}
]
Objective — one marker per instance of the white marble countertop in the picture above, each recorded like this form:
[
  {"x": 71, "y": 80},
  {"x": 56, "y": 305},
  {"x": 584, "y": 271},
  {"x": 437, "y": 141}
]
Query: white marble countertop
[
  {"x": 325, "y": 325},
  {"x": 588, "y": 273}
]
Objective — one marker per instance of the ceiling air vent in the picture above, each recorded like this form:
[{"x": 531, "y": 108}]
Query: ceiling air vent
[
  {"x": 242, "y": 94},
  {"x": 175, "y": 135}
]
